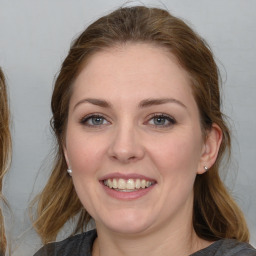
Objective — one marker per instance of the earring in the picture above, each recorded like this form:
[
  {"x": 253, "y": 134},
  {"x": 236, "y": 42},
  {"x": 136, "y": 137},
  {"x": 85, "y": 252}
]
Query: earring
[
  {"x": 206, "y": 168},
  {"x": 69, "y": 171}
]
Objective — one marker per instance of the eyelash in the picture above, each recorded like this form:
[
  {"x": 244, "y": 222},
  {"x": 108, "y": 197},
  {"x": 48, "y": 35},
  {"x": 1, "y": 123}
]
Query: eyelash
[
  {"x": 85, "y": 120},
  {"x": 171, "y": 121}
]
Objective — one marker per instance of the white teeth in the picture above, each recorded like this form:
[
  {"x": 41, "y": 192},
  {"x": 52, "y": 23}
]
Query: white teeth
[
  {"x": 137, "y": 184},
  {"x": 110, "y": 184},
  {"x": 127, "y": 185},
  {"x": 130, "y": 184},
  {"x": 143, "y": 184},
  {"x": 114, "y": 183},
  {"x": 121, "y": 184}
]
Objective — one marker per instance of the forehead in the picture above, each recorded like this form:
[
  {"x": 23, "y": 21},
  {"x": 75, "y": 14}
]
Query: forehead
[{"x": 141, "y": 69}]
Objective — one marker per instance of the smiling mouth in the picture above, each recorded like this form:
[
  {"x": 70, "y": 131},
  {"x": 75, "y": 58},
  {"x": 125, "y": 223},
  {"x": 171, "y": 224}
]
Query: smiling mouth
[{"x": 129, "y": 185}]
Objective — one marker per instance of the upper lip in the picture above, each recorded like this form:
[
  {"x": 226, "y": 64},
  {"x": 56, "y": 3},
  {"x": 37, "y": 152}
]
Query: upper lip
[{"x": 127, "y": 176}]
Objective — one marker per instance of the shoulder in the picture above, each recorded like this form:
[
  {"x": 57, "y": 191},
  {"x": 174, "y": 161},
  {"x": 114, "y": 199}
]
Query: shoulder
[
  {"x": 227, "y": 247},
  {"x": 232, "y": 247},
  {"x": 75, "y": 245}
]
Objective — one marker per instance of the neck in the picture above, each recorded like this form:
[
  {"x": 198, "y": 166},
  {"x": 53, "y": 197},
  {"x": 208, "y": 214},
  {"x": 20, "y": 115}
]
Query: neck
[{"x": 183, "y": 241}]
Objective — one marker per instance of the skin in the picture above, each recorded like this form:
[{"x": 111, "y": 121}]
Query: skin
[{"x": 129, "y": 140}]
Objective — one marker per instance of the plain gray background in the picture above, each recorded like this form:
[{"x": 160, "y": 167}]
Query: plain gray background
[{"x": 34, "y": 39}]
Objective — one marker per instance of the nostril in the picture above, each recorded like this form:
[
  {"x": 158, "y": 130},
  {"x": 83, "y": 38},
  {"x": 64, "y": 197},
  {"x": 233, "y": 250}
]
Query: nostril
[
  {"x": 132, "y": 157},
  {"x": 124, "y": 158}
]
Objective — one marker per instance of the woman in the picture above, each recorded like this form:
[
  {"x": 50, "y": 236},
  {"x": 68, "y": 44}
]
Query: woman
[
  {"x": 5, "y": 147},
  {"x": 136, "y": 114}
]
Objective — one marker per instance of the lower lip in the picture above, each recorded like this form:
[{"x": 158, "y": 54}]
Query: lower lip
[{"x": 127, "y": 195}]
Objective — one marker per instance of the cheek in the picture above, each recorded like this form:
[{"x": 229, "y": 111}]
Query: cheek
[
  {"x": 177, "y": 153},
  {"x": 83, "y": 152},
  {"x": 85, "y": 157}
]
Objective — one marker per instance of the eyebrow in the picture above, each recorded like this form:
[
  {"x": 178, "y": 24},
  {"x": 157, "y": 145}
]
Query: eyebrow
[
  {"x": 143, "y": 103},
  {"x": 97, "y": 102},
  {"x": 153, "y": 102}
]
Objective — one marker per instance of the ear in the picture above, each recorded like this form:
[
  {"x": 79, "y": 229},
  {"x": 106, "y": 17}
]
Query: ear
[
  {"x": 65, "y": 154},
  {"x": 210, "y": 148}
]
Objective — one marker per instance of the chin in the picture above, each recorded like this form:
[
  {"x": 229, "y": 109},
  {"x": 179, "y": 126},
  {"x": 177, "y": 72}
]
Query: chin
[
  {"x": 129, "y": 229},
  {"x": 127, "y": 224}
]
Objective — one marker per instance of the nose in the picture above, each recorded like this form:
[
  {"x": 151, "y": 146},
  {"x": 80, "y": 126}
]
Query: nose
[{"x": 126, "y": 145}]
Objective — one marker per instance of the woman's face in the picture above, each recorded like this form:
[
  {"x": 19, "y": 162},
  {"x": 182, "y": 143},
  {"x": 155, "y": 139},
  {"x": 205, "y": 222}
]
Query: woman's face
[{"x": 133, "y": 139}]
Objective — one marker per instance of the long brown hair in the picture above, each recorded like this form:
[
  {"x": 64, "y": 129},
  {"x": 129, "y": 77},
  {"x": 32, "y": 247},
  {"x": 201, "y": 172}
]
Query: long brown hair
[
  {"x": 215, "y": 214},
  {"x": 5, "y": 151}
]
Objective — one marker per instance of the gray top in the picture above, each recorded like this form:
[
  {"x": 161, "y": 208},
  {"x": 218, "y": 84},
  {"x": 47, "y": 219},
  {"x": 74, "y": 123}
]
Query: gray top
[{"x": 81, "y": 245}]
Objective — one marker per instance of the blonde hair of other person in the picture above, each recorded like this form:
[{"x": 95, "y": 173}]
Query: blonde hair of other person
[{"x": 5, "y": 151}]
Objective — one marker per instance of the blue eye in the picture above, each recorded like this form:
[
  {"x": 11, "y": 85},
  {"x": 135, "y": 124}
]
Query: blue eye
[
  {"x": 162, "y": 121},
  {"x": 94, "y": 120}
]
